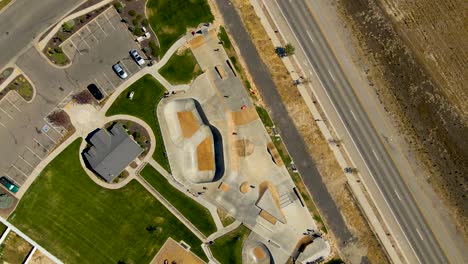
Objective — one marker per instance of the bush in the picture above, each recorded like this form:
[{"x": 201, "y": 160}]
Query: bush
[
  {"x": 154, "y": 48},
  {"x": 58, "y": 50},
  {"x": 289, "y": 49},
  {"x": 118, "y": 5},
  {"x": 131, "y": 28},
  {"x": 132, "y": 12},
  {"x": 145, "y": 22},
  {"x": 68, "y": 26},
  {"x": 125, "y": 20},
  {"x": 138, "y": 17},
  {"x": 83, "y": 97},
  {"x": 135, "y": 22},
  {"x": 146, "y": 49},
  {"x": 60, "y": 118},
  {"x": 138, "y": 31}
]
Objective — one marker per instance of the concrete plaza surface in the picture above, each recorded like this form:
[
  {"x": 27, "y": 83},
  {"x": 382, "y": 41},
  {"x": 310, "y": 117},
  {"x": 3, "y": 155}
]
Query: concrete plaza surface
[{"x": 250, "y": 181}]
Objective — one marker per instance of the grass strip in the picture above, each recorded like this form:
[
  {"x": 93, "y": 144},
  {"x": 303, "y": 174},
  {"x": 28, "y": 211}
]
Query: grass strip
[
  {"x": 197, "y": 214},
  {"x": 228, "y": 248}
]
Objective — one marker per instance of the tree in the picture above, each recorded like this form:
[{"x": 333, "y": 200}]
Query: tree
[
  {"x": 132, "y": 12},
  {"x": 83, "y": 97},
  {"x": 290, "y": 49},
  {"x": 138, "y": 31},
  {"x": 60, "y": 118}
]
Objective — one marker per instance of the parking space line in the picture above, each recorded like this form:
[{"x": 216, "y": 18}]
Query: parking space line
[
  {"x": 19, "y": 110},
  {"x": 85, "y": 42},
  {"x": 55, "y": 142},
  {"x": 7, "y": 114},
  {"x": 125, "y": 66},
  {"x": 3, "y": 125},
  {"x": 34, "y": 153},
  {"x": 74, "y": 45},
  {"x": 99, "y": 85},
  {"x": 92, "y": 34},
  {"x": 105, "y": 15},
  {"x": 41, "y": 145},
  {"x": 97, "y": 22},
  {"x": 22, "y": 172},
  {"x": 26, "y": 161},
  {"x": 113, "y": 87}
]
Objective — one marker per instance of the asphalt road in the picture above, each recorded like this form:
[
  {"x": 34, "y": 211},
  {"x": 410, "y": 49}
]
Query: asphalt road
[
  {"x": 290, "y": 135},
  {"x": 24, "y": 20},
  {"x": 361, "y": 130}
]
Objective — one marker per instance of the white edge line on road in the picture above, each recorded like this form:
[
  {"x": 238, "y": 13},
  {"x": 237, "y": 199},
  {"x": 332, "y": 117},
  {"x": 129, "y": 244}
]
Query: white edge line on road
[
  {"x": 41, "y": 144},
  {"x": 352, "y": 139},
  {"x": 105, "y": 15},
  {"x": 125, "y": 66},
  {"x": 97, "y": 22},
  {"x": 399, "y": 198},
  {"x": 34, "y": 153},
  {"x": 352, "y": 113},
  {"x": 417, "y": 230},
  {"x": 311, "y": 38},
  {"x": 2, "y": 125},
  {"x": 105, "y": 75},
  {"x": 7, "y": 114},
  {"x": 99, "y": 85},
  {"x": 26, "y": 161},
  {"x": 19, "y": 110},
  {"x": 375, "y": 154},
  {"x": 331, "y": 75},
  {"x": 70, "y": 39}
]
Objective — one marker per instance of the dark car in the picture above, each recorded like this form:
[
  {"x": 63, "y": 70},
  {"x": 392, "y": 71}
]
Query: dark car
[
  {"x": 9, "y": 184},
  {"x": 94, "y": 90}
]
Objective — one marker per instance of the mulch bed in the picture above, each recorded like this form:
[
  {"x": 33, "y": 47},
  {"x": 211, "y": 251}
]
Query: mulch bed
[{"x": 15, "y": 85}]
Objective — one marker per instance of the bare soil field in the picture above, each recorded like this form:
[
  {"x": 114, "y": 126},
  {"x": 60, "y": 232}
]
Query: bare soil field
[
  {"x": 417, "y": 64},
  {"x": 205, "y": 155},
  {"x": 364, "y": 245}
]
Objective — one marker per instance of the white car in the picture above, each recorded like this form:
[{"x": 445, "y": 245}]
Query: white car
[
  {"x": 120, "y": 71},
  {"x": 136, "y": 56}
]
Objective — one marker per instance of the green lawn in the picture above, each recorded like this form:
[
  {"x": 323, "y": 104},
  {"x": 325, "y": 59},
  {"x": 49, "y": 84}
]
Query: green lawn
[
  {"x": 148, "y": 93},
  {"x": 170, "y": 18},
  {"x": 81, "y": 222},
  {"x": 228, "y": 248},
  {"x": 181, "y": 69},
  {"x": 15, "y": 249},
  {"x": 193, "y": 211}
]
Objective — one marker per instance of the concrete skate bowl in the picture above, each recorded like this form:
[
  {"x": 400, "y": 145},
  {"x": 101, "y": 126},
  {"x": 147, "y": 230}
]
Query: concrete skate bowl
[
  {"x": 199, "y": 144},
  {"x": 257, "y": 253}
]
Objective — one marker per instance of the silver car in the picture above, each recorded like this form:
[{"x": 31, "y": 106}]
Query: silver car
[
  {"x": 136, "y": 56},
  {"x": 120, "y": 71}
]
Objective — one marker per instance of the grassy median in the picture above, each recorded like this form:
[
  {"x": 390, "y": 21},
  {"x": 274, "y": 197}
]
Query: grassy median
[{"x": 81, "y": 222}]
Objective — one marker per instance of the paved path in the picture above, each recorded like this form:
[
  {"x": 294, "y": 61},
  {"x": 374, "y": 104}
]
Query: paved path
[{"x": 29, "y": 240}]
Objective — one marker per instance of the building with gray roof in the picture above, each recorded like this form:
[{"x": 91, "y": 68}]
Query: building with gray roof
[{"x": 111, "y": 152}]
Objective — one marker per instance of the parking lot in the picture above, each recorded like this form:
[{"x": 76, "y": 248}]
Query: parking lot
[
  {"x": 94, "y": 46},
  {"x": 27, "y": 137}
]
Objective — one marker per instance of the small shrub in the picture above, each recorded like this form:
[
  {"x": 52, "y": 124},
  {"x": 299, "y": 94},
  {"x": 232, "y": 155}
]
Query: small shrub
[
  {"x": 290, "y": 49},
  {"x": 146, "y": 49},
  {"x": 154, "y": 48},
  {"x": 145, "y": 22},
  {"x": 60, "y": 118},
  {"x": 58, "y": 50},
  {"x": 118, "y": 5},
  {"x": 125, "y": 20},
  {"x": 135, "y": 22},
  {"x": 131, "y": 28},
  {"x": 68, "y": 26},
  {"x": 138, "y": 17},
  {"x": 83, "y": 97},
  {"x": 138, "y": 31},
  {"x": 132, "y": 12}
]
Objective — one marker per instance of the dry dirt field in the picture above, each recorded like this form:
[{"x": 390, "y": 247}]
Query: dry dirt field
[
  {"x": 417, "y": 63},
  {"x": 365, "y": 244}
]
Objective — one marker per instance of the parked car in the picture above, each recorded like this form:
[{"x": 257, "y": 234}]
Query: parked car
[
  {"x": 94, "y": 90},
  {"x": 136, "y": 56},
  {"x": 9, "y": 184},
  {"x": 120, "y": 71}
]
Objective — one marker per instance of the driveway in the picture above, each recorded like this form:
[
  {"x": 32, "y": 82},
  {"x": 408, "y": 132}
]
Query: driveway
[{"x": 26, "y": 136}]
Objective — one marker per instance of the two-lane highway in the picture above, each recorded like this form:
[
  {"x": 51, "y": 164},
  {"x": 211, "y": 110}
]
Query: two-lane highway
[{"x": 365, "y": 138}]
